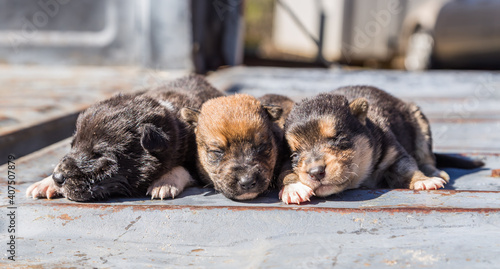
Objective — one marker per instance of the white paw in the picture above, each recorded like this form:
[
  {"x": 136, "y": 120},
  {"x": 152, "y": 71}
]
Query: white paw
[
  {"x": 295, "y": 193},
  {"x": 432, "y": 183},
  {"x": 170, "y": 184},
  {"x": 45, "y": 188}
]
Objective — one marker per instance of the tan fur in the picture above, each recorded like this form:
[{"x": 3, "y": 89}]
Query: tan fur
[
  {"x": 344, "y": 169},
  {"x": 231, "y": 126},
  {"x": 326, "y": 128},
  {"x": 293, "y": 141},
  {"x": 223, "y": 118}
]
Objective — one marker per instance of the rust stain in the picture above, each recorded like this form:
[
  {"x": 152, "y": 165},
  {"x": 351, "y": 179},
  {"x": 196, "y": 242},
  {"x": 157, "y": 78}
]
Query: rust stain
[
  {"x": 445, "y": 192},
  {"x": 197, "y": 250},
  {"x": 67, "y": 217},
  {"x": 424, "y": 209},
  {"x": 495, "y": 173}
]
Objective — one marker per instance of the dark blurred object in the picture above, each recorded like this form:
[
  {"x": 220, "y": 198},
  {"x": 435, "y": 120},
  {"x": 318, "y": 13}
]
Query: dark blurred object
[
  {"x": 452, "y": 34},
  {"x": 217, "y": 33}
]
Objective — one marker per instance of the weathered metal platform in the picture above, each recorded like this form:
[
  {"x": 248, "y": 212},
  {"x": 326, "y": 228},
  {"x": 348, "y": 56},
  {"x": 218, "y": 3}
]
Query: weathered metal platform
[
  {"x": 457, "y": 227},
  {"x": 39, "y": 105}
]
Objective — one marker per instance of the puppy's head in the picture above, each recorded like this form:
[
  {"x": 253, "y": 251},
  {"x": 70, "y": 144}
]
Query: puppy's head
[
  {"x": 237, "y": 148},
  {"x": 116, "y": 148},
  {"x": 331, "y": 151}
]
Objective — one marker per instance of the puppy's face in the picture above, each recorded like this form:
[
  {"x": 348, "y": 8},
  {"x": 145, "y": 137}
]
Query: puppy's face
[
  {"x": 237, "y": 149},
  {"x": 113, "y": 149},
  {"x": 331, "y": 153}
]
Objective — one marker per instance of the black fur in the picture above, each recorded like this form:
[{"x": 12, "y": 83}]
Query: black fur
[
  {"x": 398, "y": 134},
  {"x": 123, "y": 144}
]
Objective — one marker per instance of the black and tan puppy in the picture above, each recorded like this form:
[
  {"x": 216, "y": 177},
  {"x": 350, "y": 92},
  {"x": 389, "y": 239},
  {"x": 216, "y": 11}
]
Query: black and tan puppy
[
  {"x": 358, "y": 136},
  {"x": 129, "y": 145},
  {"x": 239, "y": 143}
]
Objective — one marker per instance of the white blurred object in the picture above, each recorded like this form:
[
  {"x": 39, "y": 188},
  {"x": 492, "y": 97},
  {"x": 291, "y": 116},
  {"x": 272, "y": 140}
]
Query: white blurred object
[{"x": 425, "y": 33}]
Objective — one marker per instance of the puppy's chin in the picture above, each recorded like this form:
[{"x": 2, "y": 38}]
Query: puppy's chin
[
  {"x": 87, "y": 192},
  {"x": 246, "y": 196},
  {"x": 77, "y": 195},
  {"x": 325, "y": 187}
]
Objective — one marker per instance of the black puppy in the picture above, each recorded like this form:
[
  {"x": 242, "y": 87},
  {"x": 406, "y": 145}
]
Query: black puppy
[{"x": 130, "y": 145}]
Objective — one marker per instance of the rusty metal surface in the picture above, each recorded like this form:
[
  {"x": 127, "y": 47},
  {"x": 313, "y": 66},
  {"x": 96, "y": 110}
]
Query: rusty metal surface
[
  {"x": 200, "y": 228},
  {"x": 452, "y": 228},
  {"x": 39, "y": 105}
]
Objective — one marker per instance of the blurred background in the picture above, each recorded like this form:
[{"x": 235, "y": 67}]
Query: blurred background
[
  {"x": 57, "y": 57},
  {"x": 204, "y": 35}
]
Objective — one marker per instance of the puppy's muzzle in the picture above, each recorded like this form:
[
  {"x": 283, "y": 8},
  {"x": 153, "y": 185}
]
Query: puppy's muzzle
[{"x": 60, "y": 174}]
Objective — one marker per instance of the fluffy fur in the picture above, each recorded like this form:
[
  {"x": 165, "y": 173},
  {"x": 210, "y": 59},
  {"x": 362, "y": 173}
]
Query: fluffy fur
[
  {"x": 123, "y": 144},
  {"x": 358, "y": 136},
  {"x": 239, "y": 142}
]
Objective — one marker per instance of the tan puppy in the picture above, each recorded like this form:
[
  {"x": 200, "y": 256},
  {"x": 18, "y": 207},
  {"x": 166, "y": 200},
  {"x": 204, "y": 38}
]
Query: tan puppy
[{"x": 239, "y": 143}]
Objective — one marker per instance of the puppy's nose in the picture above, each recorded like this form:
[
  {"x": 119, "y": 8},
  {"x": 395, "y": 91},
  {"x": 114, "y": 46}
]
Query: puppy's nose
[
  {"x": 247, "y": 183},
  {"x": 58, "y": 177},
  {"x": 317, "y": 173}
]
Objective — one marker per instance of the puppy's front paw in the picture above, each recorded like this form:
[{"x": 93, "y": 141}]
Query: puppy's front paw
[
  {"x": 295, "y": 193},
  {"x": 432, "y": 183},
  {"x": 45, "y": 188},
  {"x": 170, "y": 184}
]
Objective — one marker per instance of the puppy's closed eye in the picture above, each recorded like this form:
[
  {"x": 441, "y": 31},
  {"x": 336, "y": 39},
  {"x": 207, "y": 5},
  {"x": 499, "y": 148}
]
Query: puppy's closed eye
[
  {"x": 295, "y": 159},
  {"x": 215, "y": 154},
  {"x": 340, "y": 142}
]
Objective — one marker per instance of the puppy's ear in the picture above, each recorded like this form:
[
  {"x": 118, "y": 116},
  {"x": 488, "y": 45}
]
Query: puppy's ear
[
  {"x": 359, "y": 108},
  {"x": 275, "y": 112},
  {"x": 153, "y": 139},
  {"x": 190, "y": 115}
]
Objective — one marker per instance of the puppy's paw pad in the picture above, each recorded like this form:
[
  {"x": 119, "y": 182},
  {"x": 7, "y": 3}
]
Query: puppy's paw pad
[
  {"x": 296, "y": 193},
  {"x": 45, "y": 188},
  {"x": 432, "y": 183}
]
